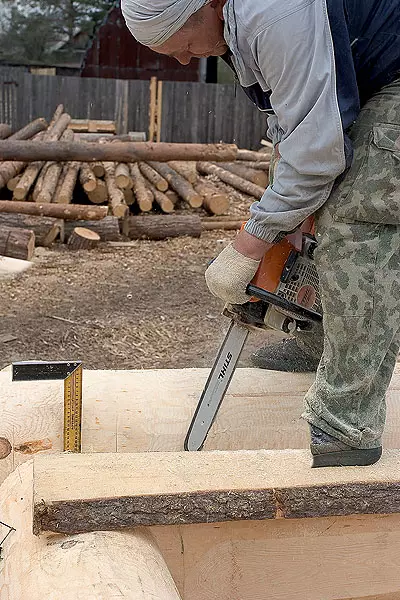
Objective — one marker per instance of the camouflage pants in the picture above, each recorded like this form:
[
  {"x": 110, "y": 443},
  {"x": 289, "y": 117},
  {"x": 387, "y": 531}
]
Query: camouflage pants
[{"x": 358, "y": 262}]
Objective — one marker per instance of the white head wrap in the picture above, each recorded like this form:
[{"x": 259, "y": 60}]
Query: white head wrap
[{"x": 152, "y": 22}]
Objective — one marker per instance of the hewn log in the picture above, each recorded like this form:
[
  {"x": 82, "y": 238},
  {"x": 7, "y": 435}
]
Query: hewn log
[
  {"x": 186, "y": 168},
  {"x": 98, "y": 169},
  {"x": 237, "y": 182},
  {"x": 122, "y": 176},
  {"x": 179, "y": 184},
  {"x": 116, "y": 197},
  {"x": 87, "y": 178},
  {"x": 83, "y": 238},
  {"x": 117, "y": 152},
  {"x": 71, "y": 212},
  {"x": 107, "y": 228},
  {"x": 162, "y": 200},
  {"x": 46, "y": 229},
  {"x": 160, "y": 227},
  {"x": 153, "y": 176},
  {"x": 214, "y": 201},
  {"x": 251, "y": 155},
  {"x": 16, "y": 242},
  {"x": 65, "y": 192},
  {"x": 99, "y": 194},
  {"x": 143, "y": 195},
  {"x": 5, "y": 131},
  {"x": 261, "y": 165},
  {"x": 27, "y": 132},
  {"x": 256, "y": 176}
]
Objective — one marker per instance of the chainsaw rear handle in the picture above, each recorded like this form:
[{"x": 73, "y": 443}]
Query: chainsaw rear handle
[{"x": 270, "y": 298}]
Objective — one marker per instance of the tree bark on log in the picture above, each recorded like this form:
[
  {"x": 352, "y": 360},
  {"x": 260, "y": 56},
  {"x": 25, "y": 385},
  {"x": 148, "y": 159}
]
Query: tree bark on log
[
  {"x": 30, "y": 130},
  {"x": 237, "y": 182},
  {"x": 99, "y": 194},
  {"x": 46, "y": 229},
  {"x": 162, "y": 200},
  {"x": 72, "y": 212},
  {"x": 66, "y": 190},
  {"x": 261, "y": 165},
  {"x": 122, "y": 176},
  {"x": 251, "y": 155},
  {"x": 214, "y": 201},
  {"x": 144, "y": 196},
  {"x": 160, "y": 227},
  {"x": 129, "y": 196},
  {"x": 107, "y": 228},
  {"x": 179, "y": 184},
  {"x": 256, "y": 176},
  {"x": 57, "y": 114},
  {"x": 98, "y": 169},
  {"x": 49, "y": 185},
  {"x": 116, "y": 197},
  {"x": 186, "y": 168},
  {"x": 39, "y": 181},
  {"x": 16, "y": 242},
  {"x": 58, "y": 128},
  {"x": 5, "y": 131},
  {"x": 83, "y": 238},
  {"x": 116, "y": 152},
  {"x": 155, "y": 178},
  {"x": 87, "y": 178}
]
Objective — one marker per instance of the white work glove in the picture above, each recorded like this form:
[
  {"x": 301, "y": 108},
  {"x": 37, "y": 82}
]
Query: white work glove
[{"x": 229, "y": 275}]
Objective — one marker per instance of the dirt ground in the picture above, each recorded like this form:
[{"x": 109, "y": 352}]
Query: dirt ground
[{"x": 139, "y": 307}]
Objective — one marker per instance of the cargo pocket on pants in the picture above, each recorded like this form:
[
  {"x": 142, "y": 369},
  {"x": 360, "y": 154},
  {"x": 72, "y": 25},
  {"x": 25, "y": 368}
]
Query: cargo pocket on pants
[{"x": 374, "y": 194}]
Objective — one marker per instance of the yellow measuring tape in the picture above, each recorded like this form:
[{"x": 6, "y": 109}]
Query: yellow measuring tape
[{"x": 71, "y": 373}]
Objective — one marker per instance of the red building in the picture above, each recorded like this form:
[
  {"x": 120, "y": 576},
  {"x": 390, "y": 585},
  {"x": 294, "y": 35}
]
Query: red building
[{"x": 114, "y": 53}]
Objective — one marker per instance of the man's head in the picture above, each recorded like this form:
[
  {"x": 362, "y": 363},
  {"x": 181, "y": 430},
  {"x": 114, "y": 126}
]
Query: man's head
[{"x": 184, "y": 29}]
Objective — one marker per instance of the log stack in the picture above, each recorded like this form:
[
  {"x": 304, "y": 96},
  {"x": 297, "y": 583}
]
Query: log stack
[{"x": 64, "y": 179}]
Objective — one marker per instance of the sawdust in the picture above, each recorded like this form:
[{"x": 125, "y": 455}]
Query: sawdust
[{"x": 140, "y": 307}]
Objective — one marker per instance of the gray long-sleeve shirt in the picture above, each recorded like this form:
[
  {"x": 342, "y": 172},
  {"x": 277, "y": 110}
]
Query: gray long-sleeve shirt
[{"x": 287, "y": 48}]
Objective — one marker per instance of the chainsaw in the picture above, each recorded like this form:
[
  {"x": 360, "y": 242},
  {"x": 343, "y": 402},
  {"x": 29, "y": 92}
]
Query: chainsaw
[{"x": 284, "y": 295}]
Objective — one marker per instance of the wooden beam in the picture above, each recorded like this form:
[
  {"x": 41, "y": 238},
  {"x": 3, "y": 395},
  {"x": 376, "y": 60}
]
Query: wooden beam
[
  {"x": 113, "y": 491},
  {"x": 150, "y": 410},
  {"x": 100, "y": 565},
  {"x": 114, "y": 151}
]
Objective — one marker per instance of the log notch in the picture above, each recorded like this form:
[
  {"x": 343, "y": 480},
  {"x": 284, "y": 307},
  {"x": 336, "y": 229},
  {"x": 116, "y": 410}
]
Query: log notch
[
  {"x": 107, "y": 228},
  {"x": 162, "y": 200},
  {"x": 186, "y": 168},
  {"x": 254, "y": 175},
  {"x": 237, "y": 182},
  {"x": 115, "y": 151},
  {"x": 155, "y": 178},
  {"x": 65, "y": 192},
  {"x": 122, "y": 176},
  {"x": 103, "y": 564},
  {"x": 56, "y": 129},
  {"x": 179, "y": 184},
  {"x": 5, "y": 131},
  {"x": 71, "y": 212},
  {"x": 214, "y": 201},
  {"x": 143, "y": 195},
  {"x": 99, "y": 194},
  {"x": 87, "y": 178},
  {"x": 98, "y": 169},
  {"x": 46, "y": 229},
  {"x": 116, "y": 197},
  {"x": 16, "y": 242},
  {"x": 160, "y": 227},
  {"x": 83, "y": 238}
]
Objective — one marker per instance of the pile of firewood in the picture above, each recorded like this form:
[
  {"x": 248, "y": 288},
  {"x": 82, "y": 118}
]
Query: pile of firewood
[{"x": 54, "y": 198}]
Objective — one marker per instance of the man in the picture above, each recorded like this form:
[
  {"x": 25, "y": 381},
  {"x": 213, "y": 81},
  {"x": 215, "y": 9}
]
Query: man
[{"x": 328, "y": 74}]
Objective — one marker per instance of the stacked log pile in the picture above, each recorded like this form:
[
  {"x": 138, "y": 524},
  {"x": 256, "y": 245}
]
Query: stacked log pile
[{"x": 57, "y": 184}]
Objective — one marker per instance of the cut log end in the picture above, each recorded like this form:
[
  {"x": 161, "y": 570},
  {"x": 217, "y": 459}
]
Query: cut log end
[{"x": 83, "y": 239}]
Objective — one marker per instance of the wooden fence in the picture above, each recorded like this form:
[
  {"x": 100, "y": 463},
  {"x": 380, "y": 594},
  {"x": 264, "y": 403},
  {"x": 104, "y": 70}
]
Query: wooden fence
[{"x": 191, "y": 112}]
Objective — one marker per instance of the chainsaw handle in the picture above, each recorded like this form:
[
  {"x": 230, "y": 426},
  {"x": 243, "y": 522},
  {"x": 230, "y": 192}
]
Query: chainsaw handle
[{"x": 270, "y": 298}]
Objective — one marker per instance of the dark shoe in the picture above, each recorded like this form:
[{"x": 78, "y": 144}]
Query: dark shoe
[
  {"x": 284, "y": 356},
  {"x": 327, "y": 451}
]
